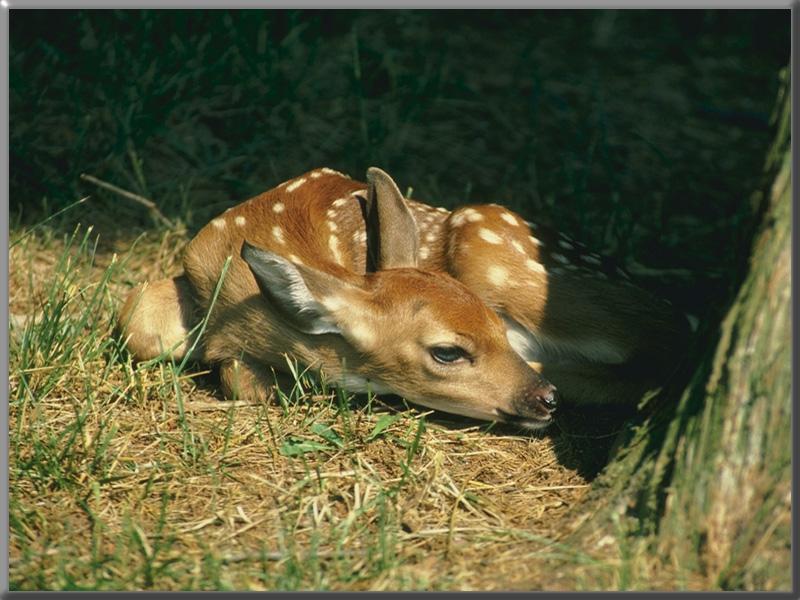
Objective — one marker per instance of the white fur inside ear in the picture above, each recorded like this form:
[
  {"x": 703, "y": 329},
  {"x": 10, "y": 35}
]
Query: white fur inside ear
[
  {"x": 283, "y": 284},
  {"x": 540, "y": 348},
  {"x": 522, "y": 341}
]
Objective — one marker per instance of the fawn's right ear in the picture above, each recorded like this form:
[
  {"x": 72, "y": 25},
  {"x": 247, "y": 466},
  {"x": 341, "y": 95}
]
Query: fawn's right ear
[
  {"x": 296, "y": 291},
  {"x": 392, "y": 235}
]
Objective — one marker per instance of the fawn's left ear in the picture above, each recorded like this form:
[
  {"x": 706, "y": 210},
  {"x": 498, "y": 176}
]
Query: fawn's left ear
[
  {"x": 294, "y": 290},
  {"x": 392, "y": 235}
]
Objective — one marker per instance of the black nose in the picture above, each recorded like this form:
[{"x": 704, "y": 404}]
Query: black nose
[
  {"x": 538, "y": 401},
  {"x": 547, "y": 396}
]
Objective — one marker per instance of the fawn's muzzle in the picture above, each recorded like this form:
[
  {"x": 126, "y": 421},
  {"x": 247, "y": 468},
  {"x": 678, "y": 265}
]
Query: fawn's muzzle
[
  {"x": 548, "y": 395},
  {"x": 533, "y": 408},
  {"x": 538, "y": 401}
]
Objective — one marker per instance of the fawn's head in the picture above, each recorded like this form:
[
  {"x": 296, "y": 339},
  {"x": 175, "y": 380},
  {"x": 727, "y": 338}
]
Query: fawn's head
[{"x": 422, "y": 335}]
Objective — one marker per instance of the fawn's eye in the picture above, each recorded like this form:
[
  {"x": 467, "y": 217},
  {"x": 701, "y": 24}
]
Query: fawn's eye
[{"x": 447, "y": 355}]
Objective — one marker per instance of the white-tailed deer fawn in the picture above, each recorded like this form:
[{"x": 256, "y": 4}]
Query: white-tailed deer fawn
[{"x": 441, "y": 307}]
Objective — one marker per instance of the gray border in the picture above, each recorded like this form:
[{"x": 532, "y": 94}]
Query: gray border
[
  {"x": 322, "y": 4},
  {"x": 4, "y": 201},
  {"x": 421, "y": 4},
  {"x": 794, "y": 71}
]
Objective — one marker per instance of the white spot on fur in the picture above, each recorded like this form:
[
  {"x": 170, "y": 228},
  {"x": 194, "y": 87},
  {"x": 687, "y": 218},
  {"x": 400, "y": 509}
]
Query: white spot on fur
[
  {"x": 472, "y": 215},
  {"x": 424, "y": 252},
  {"x": 535, "y": 241},
  {"x": 330, "y": 171},
  {"x": 240, "y": 221},
  {"x": 218, "y": 223},
  {"x": 431, "y": 236},
  {"x": 360, "y": 236},
  {"x": 316, "y": 174},
  {"x": 278, "y": 207},
  {"x": 295, "y": 184},
  {"x": 333, "y": 226},
  {"x": 339, "y": 202},
  {"x": 441, "y": 210},
  {"x": 518, "y": 246},
  {"x": 333, "y": 244},
  {"x": 277, "y": 233},
  {"x": 295, "y": 259},
  {"x": 497, "y": 275},
  {"x": 560, "y": 258},
  {"x": 331, "y": 212},
  {"x": 509, "y": 218},
  {"x": 534, "y": 266},
  {"x": 457, "y": 220},
  {"x": 489, "y": 236}
]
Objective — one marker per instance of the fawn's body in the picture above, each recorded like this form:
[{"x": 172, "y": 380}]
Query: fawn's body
[{"x": 398, "y": 296}]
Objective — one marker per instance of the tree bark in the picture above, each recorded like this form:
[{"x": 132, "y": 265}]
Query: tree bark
[{"x": 698, "y": 495}]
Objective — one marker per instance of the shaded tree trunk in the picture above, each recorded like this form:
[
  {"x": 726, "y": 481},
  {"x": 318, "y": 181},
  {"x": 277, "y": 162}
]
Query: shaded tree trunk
[{"x": 698, "y": 495}]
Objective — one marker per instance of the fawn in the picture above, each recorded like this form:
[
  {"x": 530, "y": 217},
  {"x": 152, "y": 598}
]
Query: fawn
[{"x": 472, "y": 311}]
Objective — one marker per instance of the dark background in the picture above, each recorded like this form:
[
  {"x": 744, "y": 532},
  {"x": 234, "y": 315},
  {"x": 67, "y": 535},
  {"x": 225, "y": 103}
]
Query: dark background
[{"x": 640, "y": 132}]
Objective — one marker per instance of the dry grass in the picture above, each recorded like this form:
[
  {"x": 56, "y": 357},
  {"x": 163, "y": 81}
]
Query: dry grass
[{"x": 141, "y": 477}]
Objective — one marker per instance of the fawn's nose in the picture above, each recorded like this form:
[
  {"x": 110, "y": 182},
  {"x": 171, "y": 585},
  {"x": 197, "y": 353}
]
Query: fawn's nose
[
  {"x": 546, "y": 395},
  {"x": 539, "y": 400}
]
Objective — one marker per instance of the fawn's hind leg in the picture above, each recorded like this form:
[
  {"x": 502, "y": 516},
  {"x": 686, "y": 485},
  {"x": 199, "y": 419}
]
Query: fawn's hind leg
[{"x": 157, "y": 318}]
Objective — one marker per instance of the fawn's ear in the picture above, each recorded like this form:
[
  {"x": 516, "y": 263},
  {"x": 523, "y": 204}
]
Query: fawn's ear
[
  {"x": 297, "y": 291},
  {"x": 392, "y": 235}
]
